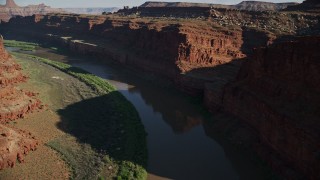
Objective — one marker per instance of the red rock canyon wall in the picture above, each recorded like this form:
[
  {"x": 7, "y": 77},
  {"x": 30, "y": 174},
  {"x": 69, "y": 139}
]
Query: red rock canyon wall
[
  {"x": 14, "y": 104},
  {"x": 277, "y": 93}
]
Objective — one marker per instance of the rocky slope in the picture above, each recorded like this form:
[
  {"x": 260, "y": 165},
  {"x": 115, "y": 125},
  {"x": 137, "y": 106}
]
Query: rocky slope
[
  {"x": 11, "y": 9},
  {"x": 284, "y": 22},
  {"x": 14, "y": 104},
  {"x": 14, "y": 145}
]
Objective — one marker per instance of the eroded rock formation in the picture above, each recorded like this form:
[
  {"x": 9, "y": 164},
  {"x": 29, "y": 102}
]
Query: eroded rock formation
[
  {"x": 11, "y": 4},
  {"x": 14, "y": 145},
  {"x": 11, "y": 9},
  {"x": 14, "y": 104}
]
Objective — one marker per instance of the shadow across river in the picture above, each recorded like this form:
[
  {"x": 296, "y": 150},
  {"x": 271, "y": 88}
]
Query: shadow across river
[
  {"x": 178, "y": 145},
  {"x": 179, "y": 141}
]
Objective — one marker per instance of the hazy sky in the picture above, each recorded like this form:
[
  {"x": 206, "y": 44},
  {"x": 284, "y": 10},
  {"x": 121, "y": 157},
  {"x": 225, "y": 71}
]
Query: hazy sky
[{"x": 120, "y": 3}]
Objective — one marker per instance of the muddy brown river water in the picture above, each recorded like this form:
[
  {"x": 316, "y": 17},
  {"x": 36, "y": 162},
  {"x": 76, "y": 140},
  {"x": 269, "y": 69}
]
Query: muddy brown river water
[{"x": 180, "y": 145}]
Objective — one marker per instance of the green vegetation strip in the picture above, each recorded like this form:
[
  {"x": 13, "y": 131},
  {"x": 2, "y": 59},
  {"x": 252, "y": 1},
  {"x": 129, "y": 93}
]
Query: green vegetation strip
[
  {"x": 25, "y": 46},
  {"x": 108, "y": 120}
]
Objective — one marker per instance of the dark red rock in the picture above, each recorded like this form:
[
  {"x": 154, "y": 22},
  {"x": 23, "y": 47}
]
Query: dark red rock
[
  {"x": 277, "y": 93},
  {"x": 14, "y": 145},
  {"x": 14, "y": 104}
]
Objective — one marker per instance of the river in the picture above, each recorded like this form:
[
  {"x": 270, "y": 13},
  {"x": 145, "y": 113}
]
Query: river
[{"x": 179, "y": 144}]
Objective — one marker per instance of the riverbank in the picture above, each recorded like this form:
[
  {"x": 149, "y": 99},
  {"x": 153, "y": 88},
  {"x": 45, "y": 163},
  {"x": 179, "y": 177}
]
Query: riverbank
[
  {"x": 202, "y": 133},
  {"x": 96, "y": 131}
]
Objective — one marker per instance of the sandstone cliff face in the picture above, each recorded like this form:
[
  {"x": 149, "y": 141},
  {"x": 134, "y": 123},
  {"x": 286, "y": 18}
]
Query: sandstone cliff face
[
  {"x": 182, "y": 50},
  {"x": 164, "y": 48},
  {"x": 205, "y": 47},
  {"x": 277, "y": 93},
  {"x": 14, "y": 104}
]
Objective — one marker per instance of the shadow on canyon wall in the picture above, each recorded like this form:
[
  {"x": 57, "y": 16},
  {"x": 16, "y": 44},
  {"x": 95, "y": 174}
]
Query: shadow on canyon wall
[
  {"x": 176, "y": 109},
  {"x": 253, "y": 39},
  {"x": 92, "y": 121}
]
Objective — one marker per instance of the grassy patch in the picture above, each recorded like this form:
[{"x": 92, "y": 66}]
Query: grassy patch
[
  {"x": 107, "y": 128},
  {"x": 85, "y": 163},
  {"x": 97, "y": 83},
  {"x": 25, "y": 46}
]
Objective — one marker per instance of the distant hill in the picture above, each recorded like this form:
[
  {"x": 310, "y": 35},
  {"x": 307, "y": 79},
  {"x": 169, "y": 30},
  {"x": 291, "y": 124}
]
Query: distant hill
[
  {"x": 94, "y": 11},
  {"x": 263, "y": 6},
  {"x": 11, "y": 9},
  {"x": 179, "y": 4},
  {"x": 244, "y": 5},
  {"x": 10, "y": 4},
  {"x": 308, "y": 5}
]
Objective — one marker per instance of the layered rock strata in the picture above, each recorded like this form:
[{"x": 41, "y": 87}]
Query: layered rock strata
[
  {"x": 171, "y": 49},
  {"x": 183, "y": 50},
  {"x": 14, "y": 104}
]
